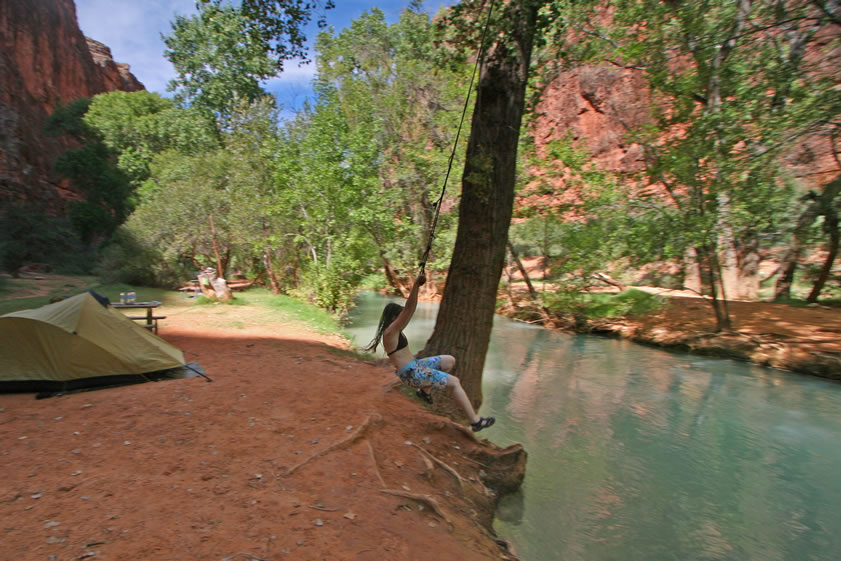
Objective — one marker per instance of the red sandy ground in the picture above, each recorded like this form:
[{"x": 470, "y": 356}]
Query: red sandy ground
[
  {"x": 241, "y": 468},
  {"x": 285, "y": 455}
]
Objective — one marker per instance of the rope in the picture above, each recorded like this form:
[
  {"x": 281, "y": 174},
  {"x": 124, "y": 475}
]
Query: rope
[{"x": 437, "y": 204}]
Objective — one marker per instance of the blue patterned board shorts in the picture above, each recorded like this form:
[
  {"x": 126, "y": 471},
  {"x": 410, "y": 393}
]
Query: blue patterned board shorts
[{"x": 423, "y": 372}]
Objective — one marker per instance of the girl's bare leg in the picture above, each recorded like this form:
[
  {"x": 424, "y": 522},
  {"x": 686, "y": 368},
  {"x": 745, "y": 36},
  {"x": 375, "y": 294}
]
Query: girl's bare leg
[
  {"x": 461, "y": 398},
  {"x": 447, "y": 364}
]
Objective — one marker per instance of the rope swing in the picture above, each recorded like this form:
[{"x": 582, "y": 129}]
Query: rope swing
[{"x": 437, "y": 204}]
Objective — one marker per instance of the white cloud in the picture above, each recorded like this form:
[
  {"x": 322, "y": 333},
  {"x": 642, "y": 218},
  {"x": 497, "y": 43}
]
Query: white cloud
[{"x": 133, "y": 29}]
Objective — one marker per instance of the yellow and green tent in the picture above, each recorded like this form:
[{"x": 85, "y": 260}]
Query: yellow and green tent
[{"x": 76, "y": 343}]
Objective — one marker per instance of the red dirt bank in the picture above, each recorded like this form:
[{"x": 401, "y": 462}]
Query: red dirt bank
[
  {"x": 802, "y": 340},
  {"x": 293, "y": 452}
]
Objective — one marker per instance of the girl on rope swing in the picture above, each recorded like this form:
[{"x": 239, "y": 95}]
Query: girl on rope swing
[{"x": 420, "y": 373}]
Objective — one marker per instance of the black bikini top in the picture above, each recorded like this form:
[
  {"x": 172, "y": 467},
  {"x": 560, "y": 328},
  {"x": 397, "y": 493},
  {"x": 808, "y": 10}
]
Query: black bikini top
[{"x": 401, "y": 343}]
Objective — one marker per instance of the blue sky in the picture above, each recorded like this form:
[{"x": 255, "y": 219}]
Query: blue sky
[{"x": 133, "y": 29}]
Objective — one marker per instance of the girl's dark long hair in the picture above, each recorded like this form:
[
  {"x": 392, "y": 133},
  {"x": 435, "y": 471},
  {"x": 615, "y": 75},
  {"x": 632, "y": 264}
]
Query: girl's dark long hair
[{"x": 390, "y": 313}]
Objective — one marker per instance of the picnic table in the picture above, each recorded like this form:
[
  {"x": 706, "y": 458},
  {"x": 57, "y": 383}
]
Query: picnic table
[{"x": 150, "y": 319}]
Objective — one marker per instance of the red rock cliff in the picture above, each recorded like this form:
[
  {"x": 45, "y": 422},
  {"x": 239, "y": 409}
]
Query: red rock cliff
[
  {"x": 44, "y": 60},
  {"x": 596, "y": 107}
]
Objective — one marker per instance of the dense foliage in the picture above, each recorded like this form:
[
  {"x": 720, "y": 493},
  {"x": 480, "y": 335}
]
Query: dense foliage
[{"x": 314, "y": 204}]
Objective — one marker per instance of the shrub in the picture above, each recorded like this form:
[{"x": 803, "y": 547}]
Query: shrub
[
  {"x": 28, "y": 234},
  {"x": 582, "y": 306},
  {"x": 374, "y": 281},
  {"x": 126, "y": 259},
  {"x": 330, "y": 286}
]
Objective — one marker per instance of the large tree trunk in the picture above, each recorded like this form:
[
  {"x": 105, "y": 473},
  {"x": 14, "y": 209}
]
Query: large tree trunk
[
  {"x": 274, "y": 283},
  {"x": 393, "y": 278},
  {"x": 544, "y": 313},
  {"x": 709, "y": 258},
  {"x": 749, "y": 260},
  {"x": 819, "y": 205},
  {"x": 728, "y": 256},
  {"x": 465, "y": 317},
  {"x": 516, "y": 258},
  {"x": 788, "y": 264},
  {"x": 831, "y": 226},
  {"x": 692, "y": 271},
  {"x": 220, "y": 264}
]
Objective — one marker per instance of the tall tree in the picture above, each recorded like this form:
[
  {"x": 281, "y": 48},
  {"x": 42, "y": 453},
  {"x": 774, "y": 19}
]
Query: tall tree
[
  {"x": 321, "y": 172},
  {"x": 397, "y": 92},
  {"x": 465, "y": 317},
  {"x": 732, "y": 88},
  {"x": 223, "y": 53},
  {"x": 816, "y": 205},
  {"x": 106, "y": 190},
  {"x": 139, "y": 125},
  {"x": 186, "y": 210},
  {"x": 253, "y": 145}
]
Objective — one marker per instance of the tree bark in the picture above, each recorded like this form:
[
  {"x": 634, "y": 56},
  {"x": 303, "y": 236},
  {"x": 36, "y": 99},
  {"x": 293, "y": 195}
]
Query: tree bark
[
  {"x": 273, "y": 282},
  {"x": 509, "y": 294},
  {"x": 708, "y": 258},
  {"x": 749, "y": 260},
  {"x": 393, "y": 278},
  {"x": 532, "y": 291},
  {"x": 831, "y": 226},
  {"x": 220, "y": 266},
  {"x": 544, "y": 313},
  {"x": 692, "y": 271},
  {"x": 267, "y": 258},
  {"x": 465, "y": 316},
  {"x": 728, "y": 256},
  {"x": 819, "y": 205}
]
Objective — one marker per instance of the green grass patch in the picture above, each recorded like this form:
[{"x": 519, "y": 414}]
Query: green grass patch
[
  {"x": 265, "y": 307},
  {"x": 308, "y": 314},
  {"x": 238, "y": 300},
  {"x": 270, "y": 307},
  {"x": 583, "y": 306},
  {"x": 50, "y": 289},
  {"x": 279, "y": 307},
  {"x": 351, "y": 353}
]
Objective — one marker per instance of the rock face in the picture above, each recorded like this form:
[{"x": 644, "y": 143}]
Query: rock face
[
  {"x": 596, "y": 107},
  {"x": 45, "y": 60}
]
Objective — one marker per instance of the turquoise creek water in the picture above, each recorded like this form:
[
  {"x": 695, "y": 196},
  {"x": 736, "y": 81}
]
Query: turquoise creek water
[{"x": 637, "y": 454}]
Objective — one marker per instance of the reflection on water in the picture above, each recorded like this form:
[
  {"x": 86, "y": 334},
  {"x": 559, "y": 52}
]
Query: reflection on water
[{"x": 640, "y": 454}]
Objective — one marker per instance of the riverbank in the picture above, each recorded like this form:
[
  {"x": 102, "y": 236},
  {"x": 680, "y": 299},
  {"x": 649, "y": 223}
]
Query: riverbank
[
  {"x": 296, "y": 450},
  {"x": 805, "y": 340}
]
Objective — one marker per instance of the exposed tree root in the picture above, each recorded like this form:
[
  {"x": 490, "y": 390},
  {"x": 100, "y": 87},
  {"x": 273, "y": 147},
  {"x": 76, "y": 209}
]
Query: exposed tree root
[
  {"x": 442, "y": 423},
  {"x": 443, "y": 464},
  {"x": 334, "y": 362},
  {"x": 423, "y": 499},
  {"x": 429, "y": 468},
  {"x": 391, "y": 386},
  {"x": 341, "y": 444},
  {"x": 247, "y": 556},
  {"x": 374, "y": 461},
  {"x": 323, "y": 508}
]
